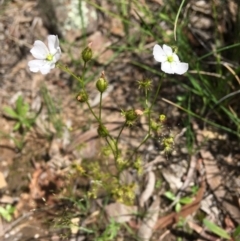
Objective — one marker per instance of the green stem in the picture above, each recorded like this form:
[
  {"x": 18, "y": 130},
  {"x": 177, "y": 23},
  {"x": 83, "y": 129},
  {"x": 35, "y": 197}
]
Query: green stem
[
  {"x": 142, "y": 142},
  {"x": 120, "y": 132},
  {"x": 153, "y": 103},
  {"x": 90, "y": 108},
  {"x": 67, "y": 70},
  {"x": 149, "y": 120},
  {"x": 115, "y": 153},
  {"x": 83, "y": 73},
  {"x": 109, "y": 144},
  {"x": 100, "y": 107},
  {"x": 156, "y": 95},
  {"x": 146, "y": 99}
]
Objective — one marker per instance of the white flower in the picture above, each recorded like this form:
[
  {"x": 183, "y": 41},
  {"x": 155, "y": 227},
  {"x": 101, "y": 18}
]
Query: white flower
[
  {"x": 45, "y": 57},
  {"x": 170, "y": 62}
]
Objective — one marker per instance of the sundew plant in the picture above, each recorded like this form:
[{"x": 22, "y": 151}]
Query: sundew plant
[
  {"x": 120, "y": 120},
  {"x": 47, "y": 58},
  {"x": 118, "y": 171}
]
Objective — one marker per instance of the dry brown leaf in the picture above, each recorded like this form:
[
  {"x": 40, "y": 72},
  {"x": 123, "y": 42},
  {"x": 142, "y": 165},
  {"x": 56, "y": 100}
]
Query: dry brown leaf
[
  {"x": 215, "y": 181},
  {"x": 99, "y": 47},
  {"x": 229, "y": 223},
  {"x": 120, "y": 212},
  {"x": 173, "y": 179},
  {"x": 3, "y": 182},
  {"x": 158, "y": 159},
  {"x": 208, "y": 208},
  {"x": 190, "y": 173},
  {"x": 147, "y": 193},
  {"x": 116, "y": 27},
  {"x": 213, "y": 174},
  {"x": 126, "y": 177},
  {"x": 7, "y": 199},
  {"x": 146, "y": 229}
]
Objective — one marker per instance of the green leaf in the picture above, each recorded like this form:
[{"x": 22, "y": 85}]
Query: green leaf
[
  {"x": 21, "y": 107},
  {"x": 23, "y": 110},
  {"x": 26, "y": 123},
  {"x": 19, "y": 103},
  {"x": 170, "y": 195},
  {"x": 86, "y": 230},
  {"x": 10, "y": 112},
  {"x": 2, "y": 211},
  {"x": 19, "y": 143},
  {"x": 8, "y": 217},
  {"x": 236, "y": 232},
  {"x": 17, "y": 126},
  {"x": 216, "y": 229},
  {"x": 7, "y": 212},
  {"x": 10, "y": 209},
  {"x": 178, "y": 207},
  {"x": 194, "y": 189},
  {"x": 185, "y": 200}
]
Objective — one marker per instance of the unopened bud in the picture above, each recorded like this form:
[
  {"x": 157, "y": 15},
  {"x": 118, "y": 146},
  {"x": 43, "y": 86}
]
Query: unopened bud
[
  {"x": 82, "y": 96},
  {"x": 130, "y": 116},
  {"x": 87, "y": 53},
  {"x": 154, "y": 125},
  {"x": 102, "y": 131},
  {"x": 101, "y": 84}
]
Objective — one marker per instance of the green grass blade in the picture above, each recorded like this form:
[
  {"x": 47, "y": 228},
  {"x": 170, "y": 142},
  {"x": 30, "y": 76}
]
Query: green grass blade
[{"x": 216, "y": 229}]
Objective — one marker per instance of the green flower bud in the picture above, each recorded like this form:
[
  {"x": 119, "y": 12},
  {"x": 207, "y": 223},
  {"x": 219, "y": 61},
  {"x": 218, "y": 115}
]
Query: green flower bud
[
  {"x": 82, "y": 96},
  {"x": 154, "y": 126},
  {"x": 87, "y": 54},
  {"x": 162, "y": 118},
  {"x": 131, "y": 115},
  {"x": 101, "y": 84},
  {"x": 102, "y": 131}
]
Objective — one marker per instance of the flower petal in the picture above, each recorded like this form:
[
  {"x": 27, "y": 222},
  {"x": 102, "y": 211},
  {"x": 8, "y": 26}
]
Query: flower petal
[
  {"x": 39, "y": 50},
  {"x": 175, "y": 58},
  {"x": 53, "y": 44},
  {"x": 57, "y": 55},
  {"x": 35, "y": 65},
  {"x": 158, "y": 53},
  {"x": 167, "y": 68},
  {"x": 45, "y": 69},
  {"x": 168, "y": 50},
  {"x": 180, "y": 68}
]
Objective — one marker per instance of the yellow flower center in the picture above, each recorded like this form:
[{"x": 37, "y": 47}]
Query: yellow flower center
[
  {"x": 49, "y": 57},
  {"x": 170, "y": 59}
]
